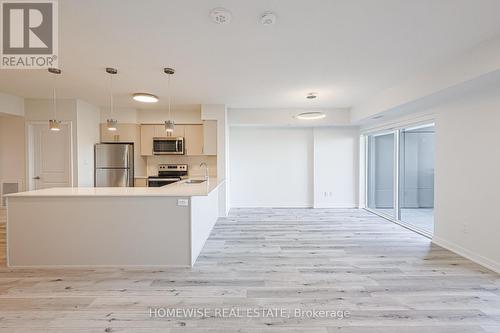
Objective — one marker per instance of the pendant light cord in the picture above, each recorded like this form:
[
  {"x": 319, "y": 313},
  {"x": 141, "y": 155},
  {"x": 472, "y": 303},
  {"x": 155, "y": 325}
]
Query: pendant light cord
[
  {"x": 169, "y": 97},
  {"x": 54, "y": 98},
  {"x": 111, "y": 94}
]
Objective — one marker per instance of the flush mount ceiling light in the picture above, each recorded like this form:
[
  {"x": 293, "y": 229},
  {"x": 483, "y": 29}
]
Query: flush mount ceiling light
[
  {"x": 221, "y": 15},
  {"x": 312, "y": 95},
  {"x": 311, "y": 116},
  {"x": 54, "y": 124},
  {"x": 268, "y": 18},
  {"x": 145, "y": 98},
  {"x": 111, "y": 123},
  {"x": 378, "y": 117}
]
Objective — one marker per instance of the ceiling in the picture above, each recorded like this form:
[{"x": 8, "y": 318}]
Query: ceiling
[{"x": 344, "y": 50}]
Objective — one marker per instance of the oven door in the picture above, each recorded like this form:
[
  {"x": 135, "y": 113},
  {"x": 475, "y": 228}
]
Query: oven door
[
  {"x": 168, "y": 146},
  {"x": 159, "y": 182}
]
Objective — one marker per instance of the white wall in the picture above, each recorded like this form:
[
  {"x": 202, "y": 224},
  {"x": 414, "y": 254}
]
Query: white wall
[
  {"x": 123, "y": 115},
  {"x": 336, "y": 167},
  {"x": 473, "y": 64},
  {"x": 467, "y": 176},
  {"x": 467, "y": 179},
  {"x": 11, "y": 105},
  {"x": 181, "y": 114},
  {"x": 286, "y": 117},
  {"x": 271, "y": 167},
  {"x": 12, "y": 149},
  {"x": 87, "y": 136}
]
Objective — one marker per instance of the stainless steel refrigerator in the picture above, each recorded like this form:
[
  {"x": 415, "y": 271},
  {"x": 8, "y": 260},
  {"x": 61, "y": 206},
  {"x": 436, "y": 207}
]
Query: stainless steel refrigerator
[{"x": 114, "y": 165}]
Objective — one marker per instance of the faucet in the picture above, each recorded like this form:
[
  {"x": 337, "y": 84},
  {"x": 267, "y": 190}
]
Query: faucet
[{"x": 206, "y": 169}]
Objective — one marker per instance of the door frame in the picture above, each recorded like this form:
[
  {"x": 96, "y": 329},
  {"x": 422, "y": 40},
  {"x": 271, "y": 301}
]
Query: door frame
[{"x": 30, "y": 151}]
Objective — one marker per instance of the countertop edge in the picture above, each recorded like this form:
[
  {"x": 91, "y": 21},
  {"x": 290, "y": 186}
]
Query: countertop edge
[{"x": 118, "y": 195}]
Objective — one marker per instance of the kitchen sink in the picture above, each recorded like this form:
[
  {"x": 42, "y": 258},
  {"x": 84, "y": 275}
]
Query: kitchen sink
[{"x": 194, "y": 181}]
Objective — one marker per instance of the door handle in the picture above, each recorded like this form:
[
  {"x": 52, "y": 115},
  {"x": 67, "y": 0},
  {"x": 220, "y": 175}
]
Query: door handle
[{"x": 37, "y": 177}]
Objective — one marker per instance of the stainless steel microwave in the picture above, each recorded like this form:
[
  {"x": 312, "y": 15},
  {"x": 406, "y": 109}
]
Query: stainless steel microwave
[{"x": 168, "y": 146}]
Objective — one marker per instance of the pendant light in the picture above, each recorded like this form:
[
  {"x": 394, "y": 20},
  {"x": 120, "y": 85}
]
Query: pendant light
[
  {"x": 169, "y": 124},
  {"x": 54, "y": 124},
  {"x": 111, "y": 122}
]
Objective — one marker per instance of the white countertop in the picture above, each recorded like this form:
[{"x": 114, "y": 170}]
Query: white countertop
[{"x": 179, "y": 189}]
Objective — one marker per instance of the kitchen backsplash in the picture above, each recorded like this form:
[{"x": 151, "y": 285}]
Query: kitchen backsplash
[{"x": 193, "y": 163}]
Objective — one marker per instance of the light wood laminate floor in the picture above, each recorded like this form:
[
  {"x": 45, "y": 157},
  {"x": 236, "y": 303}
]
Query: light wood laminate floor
[{"x": 388, "y": 278}]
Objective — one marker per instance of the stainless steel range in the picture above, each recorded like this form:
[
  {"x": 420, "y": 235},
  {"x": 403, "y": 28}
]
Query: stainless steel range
[{"x": 168, "y": 174}]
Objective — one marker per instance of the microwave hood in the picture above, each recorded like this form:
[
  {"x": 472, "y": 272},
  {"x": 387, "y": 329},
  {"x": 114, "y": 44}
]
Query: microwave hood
[{"x": 168, "y": 146}]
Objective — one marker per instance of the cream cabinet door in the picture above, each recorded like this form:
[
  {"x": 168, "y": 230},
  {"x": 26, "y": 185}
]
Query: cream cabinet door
[
  {"x": 108, "y": 136},
  {"x": 141, "y": 182},
  {"x": 210, "y": 137},
  {"x": 147, "y": 134},
  {"x": 161, "y": 133},
  {"x": 179, "y": 131},
  {"x": 194, "y": 139},
  {"x": 123, "y": 133}
]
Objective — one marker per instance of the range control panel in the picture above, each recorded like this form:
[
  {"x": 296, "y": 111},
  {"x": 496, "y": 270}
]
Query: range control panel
[{"x": 172, "y": 167}]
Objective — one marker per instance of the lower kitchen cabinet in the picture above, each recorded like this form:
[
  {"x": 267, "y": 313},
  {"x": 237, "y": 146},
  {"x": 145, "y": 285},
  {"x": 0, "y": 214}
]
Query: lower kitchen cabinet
[{"x": 140, "y": 182}]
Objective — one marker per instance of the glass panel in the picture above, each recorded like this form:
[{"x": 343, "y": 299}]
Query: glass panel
[
  {"x": 380, "y": 177},
  {"x": 165, "y": 145},
  {"x": 416, "y": 180}
]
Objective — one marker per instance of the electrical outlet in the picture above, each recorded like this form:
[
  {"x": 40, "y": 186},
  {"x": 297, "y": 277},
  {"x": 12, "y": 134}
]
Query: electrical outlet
[{"x": 182, "y": 202}]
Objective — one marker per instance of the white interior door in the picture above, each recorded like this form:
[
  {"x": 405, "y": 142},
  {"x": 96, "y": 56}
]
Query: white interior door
[{"x": 50, "y": 156}]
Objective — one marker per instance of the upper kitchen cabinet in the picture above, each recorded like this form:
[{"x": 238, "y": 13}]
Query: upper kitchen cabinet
[
  {"x": 199, "y": 139},
  {"x": 193, "y": 135},
  {"x": 148, "y": 132},
  {"x": 209, "y": 137},
  {"x": 147, "y": 135},
  {"x": 159, "y": 131},
  {"x": 123, "y": 133}
]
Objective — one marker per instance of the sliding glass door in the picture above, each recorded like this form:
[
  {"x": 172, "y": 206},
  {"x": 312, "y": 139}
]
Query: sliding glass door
[
  {"x": 400, "y": 176},
  {"x": 416, "y": 177},
  {"x": 380, "y": 172}
]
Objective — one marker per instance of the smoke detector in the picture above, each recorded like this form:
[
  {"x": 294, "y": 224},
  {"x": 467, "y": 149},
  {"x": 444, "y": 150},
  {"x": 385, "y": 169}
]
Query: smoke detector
[
  {"x": 268, "y": 18},
  {"x": 221, "y": 15}
]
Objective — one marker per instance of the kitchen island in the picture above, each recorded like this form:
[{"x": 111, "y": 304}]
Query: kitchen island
[{"x": 120, "y": 226}]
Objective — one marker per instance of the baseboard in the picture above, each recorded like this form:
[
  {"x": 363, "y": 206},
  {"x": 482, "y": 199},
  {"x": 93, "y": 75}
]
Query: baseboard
[
  {"x": 329, "y": 205},
  {"x": 271, "y": 206},
  {"x": 478, "y": 259},
  {"x": 349, "y": 206},
  {"x": 96, "y": 266}
]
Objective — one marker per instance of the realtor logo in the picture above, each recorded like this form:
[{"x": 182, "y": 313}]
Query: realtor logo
[{"x": 29, "y": 34}]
